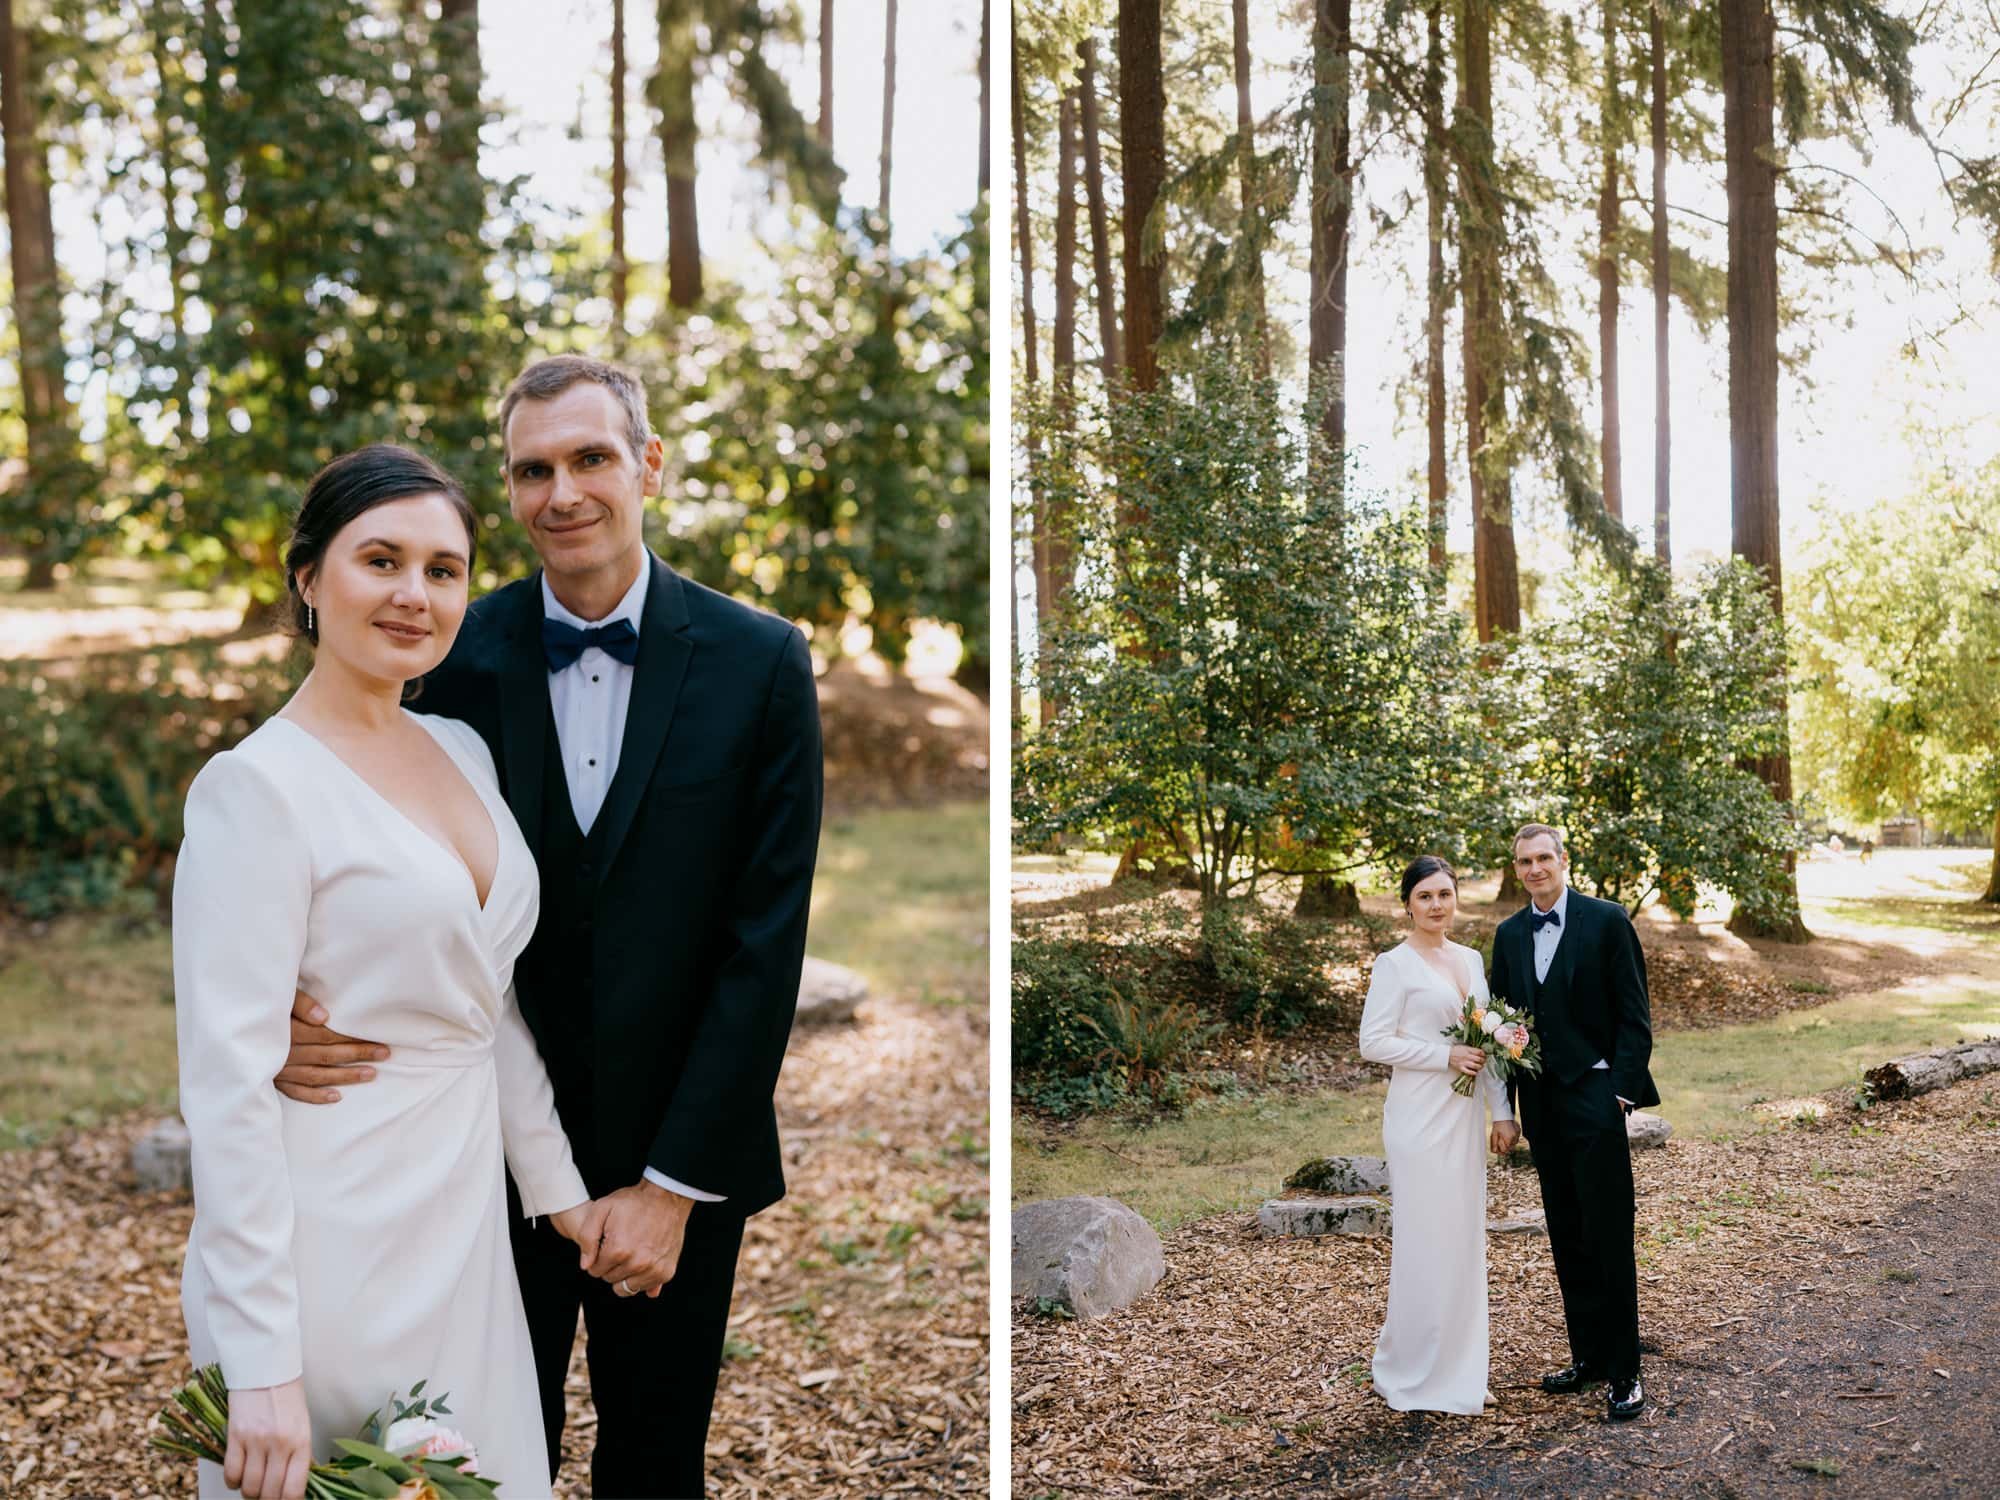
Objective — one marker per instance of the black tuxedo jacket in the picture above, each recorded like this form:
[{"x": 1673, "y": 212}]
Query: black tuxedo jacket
[
  {"x": 707, "y": 840},
  {"x": 1593, "y": 1004}
]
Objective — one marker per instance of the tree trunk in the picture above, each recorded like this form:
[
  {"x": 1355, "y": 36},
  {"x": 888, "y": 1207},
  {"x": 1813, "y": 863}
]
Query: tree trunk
[
  {"x": 1038, "y": 527},
  {"x": 1919, "y": 1074},
  {"x": 1662, "y": 288},
  {"x": 172, "y": 77},
  {"x": 1434, "y": 193},
  {"x": 1142, "y": 104},
  {"x": 619, "y": 277},
  {"x": 1611, "y": 123},
  {"x": 1327, "y": 896},
  {"x": 824, "y": 126},
  {"x": 985, "y": 97},
  {"x": 51, "y": 441},
  {"x": 888, "y": 110},
  {"x": 1064, "y": 353},
  {"x": 1496, "y": 578},
  {"x": 1332, "y": 212},
  {"x": 1748, "y": 49},
  {"x": 1246, "y": 172},
  {"x": 1100, "y": 233},
  {"x": 1993, "y": 874},
  {"x": 673, "y": 84}
]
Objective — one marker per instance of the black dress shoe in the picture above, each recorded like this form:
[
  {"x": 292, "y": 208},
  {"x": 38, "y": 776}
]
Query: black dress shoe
[
  {"x": 1625, "y": 1400},
  {"x": 1570, "y": 1379}
]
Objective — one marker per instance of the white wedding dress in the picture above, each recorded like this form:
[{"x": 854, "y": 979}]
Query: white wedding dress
[
  {"x": 1431, "y": 1353},
  {"x": 361, "y": 1244}
]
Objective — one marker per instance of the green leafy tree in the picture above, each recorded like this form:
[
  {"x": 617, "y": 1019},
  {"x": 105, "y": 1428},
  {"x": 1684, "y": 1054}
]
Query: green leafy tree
[
  {"x": 1897, "y": 615},
  {"x": 1253, "y": 671},
  {"x": 1634, "y": 713}
]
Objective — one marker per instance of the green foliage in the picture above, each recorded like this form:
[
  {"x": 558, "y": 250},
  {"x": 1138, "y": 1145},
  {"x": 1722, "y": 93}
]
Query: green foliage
[
  {"x": 95, "y": 762},
  {"x": 1635, "y": 713},
  {"x": 1896, "y": 615},
  {"x": 1059, "y": 987},
  {"x": 839, "y": 433},
  {"x": 1144, "y": 1040},
  {"x": 1257, "y": 672},
  {"x": 1268, "y": 972}
]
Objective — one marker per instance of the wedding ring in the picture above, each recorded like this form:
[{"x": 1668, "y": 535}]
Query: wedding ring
[{"x": 624, "y": 1287}]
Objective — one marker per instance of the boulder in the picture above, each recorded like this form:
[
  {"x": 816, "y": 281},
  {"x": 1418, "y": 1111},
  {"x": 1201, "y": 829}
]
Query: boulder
[
  {"x": 1091, "y": 1255},
  {"x": 162, "y": 1159},
  {"x": 1308, "y": 1218},
  {"x": 1341, "y": 1176},
  {"x": 828, "y": 993},
  {"x": 1646, "y": 1132}
]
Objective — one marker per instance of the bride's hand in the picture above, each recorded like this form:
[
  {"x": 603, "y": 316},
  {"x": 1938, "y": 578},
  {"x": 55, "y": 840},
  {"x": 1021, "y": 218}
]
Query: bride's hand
[
  {"x": 583, "y": 1225},
  {"x": 1467, "y": 1060},
  {"x": 270, "y": 1442}
]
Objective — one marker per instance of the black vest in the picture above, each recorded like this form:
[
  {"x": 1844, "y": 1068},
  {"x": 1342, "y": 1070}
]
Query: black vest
[{"x": 560, "y": 961}]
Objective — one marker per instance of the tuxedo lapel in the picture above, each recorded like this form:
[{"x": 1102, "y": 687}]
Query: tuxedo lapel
[
  {"x": 664, "y": 651},
  {"x": 524, "y": 712},
  {"x": 1524, "y": 960},
  {"x": 1564, "y": 967}
]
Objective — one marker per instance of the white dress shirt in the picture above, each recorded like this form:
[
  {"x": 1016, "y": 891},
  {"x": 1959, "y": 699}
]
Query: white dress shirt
[
  {"x": 1548, "y": 937},
  {"x": 590, "y": 698}
]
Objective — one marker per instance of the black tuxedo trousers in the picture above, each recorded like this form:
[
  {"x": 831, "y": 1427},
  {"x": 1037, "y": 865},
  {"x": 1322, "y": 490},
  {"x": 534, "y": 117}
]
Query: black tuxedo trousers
[
  {"x": 653, "y": 1361},
  {"x": 1584, "y": 1161}
]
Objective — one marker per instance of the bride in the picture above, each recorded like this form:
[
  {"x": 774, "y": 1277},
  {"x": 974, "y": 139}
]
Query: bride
[
  {"x": 1432, "y": 1350},
  {"x": 363, "y": 853}
]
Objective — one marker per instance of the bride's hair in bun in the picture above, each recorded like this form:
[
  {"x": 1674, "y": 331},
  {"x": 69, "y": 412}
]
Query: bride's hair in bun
[{"x": 1421, "y": 869}]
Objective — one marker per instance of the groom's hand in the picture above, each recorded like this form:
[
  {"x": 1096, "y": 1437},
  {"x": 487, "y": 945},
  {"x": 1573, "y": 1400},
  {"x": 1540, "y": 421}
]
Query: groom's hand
[
  {"x": 321, "y": 1060},
  {"x": 641, "y": 1246},
  {"x": 1503, "y": 1136}
]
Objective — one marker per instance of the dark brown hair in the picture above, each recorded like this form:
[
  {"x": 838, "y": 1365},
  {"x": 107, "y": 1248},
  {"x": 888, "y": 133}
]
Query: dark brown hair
[{"x": 1421, "y": 869}]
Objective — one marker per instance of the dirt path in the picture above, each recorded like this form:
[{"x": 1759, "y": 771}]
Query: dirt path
[{"x": 1803, "y": 1286}]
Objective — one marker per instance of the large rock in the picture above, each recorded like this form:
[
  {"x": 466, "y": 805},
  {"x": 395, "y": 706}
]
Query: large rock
[
  {"x": 1341, "y": 1176},
  {"x": 1307, "y": 1218},
  {"x": 828, "y": 993},
  {"x": 1646, "y": 1132},
  {"x": 1091, "y": 1255},
  {"x": 162, "y": 1159},
  {"x": 1527, "y": 1221}
]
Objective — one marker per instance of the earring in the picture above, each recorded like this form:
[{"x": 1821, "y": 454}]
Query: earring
[{"x": 309, "y": 619}]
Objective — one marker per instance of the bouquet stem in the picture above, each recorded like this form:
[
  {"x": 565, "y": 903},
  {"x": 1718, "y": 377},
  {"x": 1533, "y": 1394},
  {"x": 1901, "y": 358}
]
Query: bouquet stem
[{"x": 1462, "y": 1086}]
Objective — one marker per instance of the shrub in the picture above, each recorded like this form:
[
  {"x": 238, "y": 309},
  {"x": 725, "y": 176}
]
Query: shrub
[
  {"x": 1143, "y": 1040},
  {"x": 95, "y": 763},
  {"x": 1059, "y": 986},
  {"x": 1273, "y": 974}
]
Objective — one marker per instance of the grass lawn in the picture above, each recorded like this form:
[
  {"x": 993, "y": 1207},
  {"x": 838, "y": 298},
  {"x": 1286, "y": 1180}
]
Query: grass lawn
[{"x": 88, "y": 1014}]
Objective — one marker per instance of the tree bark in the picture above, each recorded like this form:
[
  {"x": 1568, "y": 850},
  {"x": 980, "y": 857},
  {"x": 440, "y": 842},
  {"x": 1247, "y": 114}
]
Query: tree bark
[
  {"x": 1919, "y": 1074},
  {"x": 1662, "y": 289},
  {"x": 1332, "y": 214},
  {"x": 1246, "y": 172},
  {"x": 673, "y": 84},
  {"x": 1992, "y": 893},
  {"x": 1100, "y": 233},
  {"x": 1434, "y": 193},
  {"x": 1748, "y": 52},
  {"x": 1496, "y": 576},
  {"x": 51, "y": 440},
  {"x": 985, "y": 97},
  {"x": 1611, "y": 123},
  {"x": 1038, "y": 524},
  {"x": 1064, "y": 333},
  {"x": 1142, "y": 104},
  {"x": 824, "y": 126},
  {"x": 888, "y": 109},
  {"x": 619, "y": 270}
]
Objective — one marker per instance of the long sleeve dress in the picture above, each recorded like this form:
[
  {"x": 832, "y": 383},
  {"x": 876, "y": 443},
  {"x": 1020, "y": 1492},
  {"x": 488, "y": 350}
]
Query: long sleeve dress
[
  {"x": 1431, "y": 1354},
  {"x": 361, "y": 1244}
]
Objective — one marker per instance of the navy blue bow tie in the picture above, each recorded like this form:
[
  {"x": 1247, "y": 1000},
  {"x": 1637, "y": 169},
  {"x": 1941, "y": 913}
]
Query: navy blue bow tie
[
  {"x": 1541, "y": 919},
  {"x": 562, "y": 644}
]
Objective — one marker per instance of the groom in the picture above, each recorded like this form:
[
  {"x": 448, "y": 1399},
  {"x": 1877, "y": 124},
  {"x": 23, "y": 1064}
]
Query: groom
[
  {"x": 1574, "y": 962},
  {"x": 659, "y": 746}
]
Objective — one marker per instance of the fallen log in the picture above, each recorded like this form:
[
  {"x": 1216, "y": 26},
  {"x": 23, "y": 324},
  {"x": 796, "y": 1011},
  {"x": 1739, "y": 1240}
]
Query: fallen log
[{"x": 1901, "y": 1077}]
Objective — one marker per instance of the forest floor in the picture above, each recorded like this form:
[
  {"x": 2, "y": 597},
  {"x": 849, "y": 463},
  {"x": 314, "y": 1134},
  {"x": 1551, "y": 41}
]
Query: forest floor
[
  {"x": 857, "y": 1359},
  {"x": 1821, "y": 1294}
]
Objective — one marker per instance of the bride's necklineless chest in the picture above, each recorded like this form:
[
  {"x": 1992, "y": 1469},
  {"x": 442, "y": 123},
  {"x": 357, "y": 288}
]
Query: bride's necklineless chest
[{"x": 1446, "y": 968}]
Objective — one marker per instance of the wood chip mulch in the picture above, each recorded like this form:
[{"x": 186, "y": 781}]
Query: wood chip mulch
[
  {"x": 1820, "y": 1295},
  {"x": 858, "y": 1355}
]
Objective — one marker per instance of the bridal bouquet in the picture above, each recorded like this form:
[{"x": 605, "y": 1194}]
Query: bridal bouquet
[
  {"x": 1505, "y": 1035},
  {"x": 412, "y": 1458}
]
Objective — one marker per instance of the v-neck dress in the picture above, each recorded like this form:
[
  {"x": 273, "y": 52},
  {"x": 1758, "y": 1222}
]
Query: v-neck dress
[
  {"x": 1431, "y": 1354},
  {"x": 361, "y": 1244}
]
